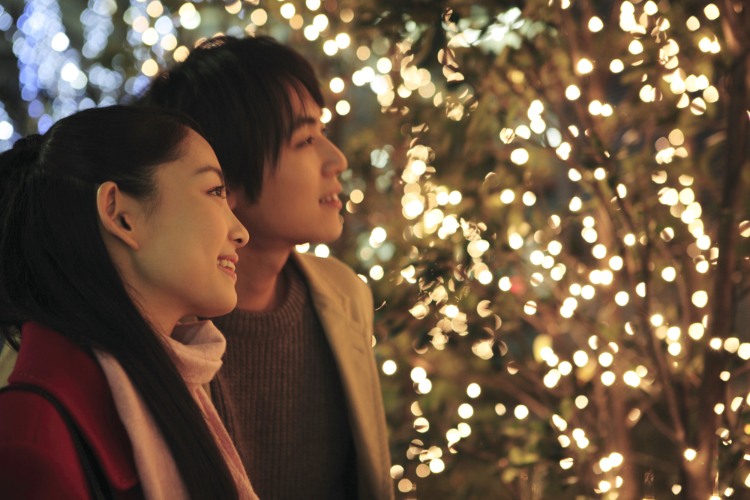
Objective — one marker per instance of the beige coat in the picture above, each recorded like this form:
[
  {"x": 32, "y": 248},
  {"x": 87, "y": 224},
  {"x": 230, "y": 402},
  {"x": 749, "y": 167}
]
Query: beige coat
[{"x": 345, "y": 310}]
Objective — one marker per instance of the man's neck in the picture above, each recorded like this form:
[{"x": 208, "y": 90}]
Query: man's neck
[{"x": 260, "y": 281}]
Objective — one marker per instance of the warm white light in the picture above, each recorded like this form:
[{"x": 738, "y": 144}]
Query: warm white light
[
  {"x": 343, "y": 107},
  {"x": 343, "y": 40},
  {"x": 595, "y": 24},
  {"x": 389, "y": 367},
  {"x": 287, "y": 11},
  {"x": 519, "y": 156},
  {"x": 580, "y": 358},
  {"x": 259, "y": 17},
  {"x": 700, "y": 299},
  {"x": 521, "y": 412},
  {"x": 584, "y": 66},
  {"x": 337, "y": 85},
  {"x": 711, "y": 11},
  {"x": 473, "y": 390},
  {"x": 465, "y": 411}
]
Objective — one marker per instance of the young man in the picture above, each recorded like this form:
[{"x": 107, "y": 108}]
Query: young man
[{"x": 299, "y": 390}]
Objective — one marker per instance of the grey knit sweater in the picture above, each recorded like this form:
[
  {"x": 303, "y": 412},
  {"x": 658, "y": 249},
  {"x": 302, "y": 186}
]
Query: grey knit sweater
[{"x": 280, "y": 396}]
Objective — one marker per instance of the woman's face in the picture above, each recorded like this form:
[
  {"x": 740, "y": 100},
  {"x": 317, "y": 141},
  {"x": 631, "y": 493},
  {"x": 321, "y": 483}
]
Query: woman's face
[{"x": 187, "y": 244}]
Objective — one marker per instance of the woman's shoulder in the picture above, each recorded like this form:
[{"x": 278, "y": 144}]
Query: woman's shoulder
[
  {"x": 32, "y": 426},
  {"x": 35, "y": 443}
]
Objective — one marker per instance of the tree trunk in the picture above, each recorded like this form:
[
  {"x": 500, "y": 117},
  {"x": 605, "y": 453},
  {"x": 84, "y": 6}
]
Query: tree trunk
[{"x": 701, "y": 472}]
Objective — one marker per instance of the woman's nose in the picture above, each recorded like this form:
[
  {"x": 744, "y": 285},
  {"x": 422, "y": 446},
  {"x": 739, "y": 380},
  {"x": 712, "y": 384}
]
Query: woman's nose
[{"x": 237, "y": 232}]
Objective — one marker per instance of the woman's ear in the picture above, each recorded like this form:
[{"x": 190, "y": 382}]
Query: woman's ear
[{"x": 116, "y": 213}]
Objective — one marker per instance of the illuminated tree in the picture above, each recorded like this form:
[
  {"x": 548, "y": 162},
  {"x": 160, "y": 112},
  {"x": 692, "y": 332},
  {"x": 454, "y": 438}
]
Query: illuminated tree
[
  {"x": 548, "y": 198},
  {"x": 575, "y": 327}
]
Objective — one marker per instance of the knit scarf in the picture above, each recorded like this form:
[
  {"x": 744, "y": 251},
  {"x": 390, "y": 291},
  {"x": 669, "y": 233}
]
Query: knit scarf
[{"x": 197, "y": 349}]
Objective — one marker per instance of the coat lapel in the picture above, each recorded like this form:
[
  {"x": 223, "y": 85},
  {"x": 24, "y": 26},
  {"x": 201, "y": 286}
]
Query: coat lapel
[
  {"x": 334, "y": 310},
  {"x": 348, "y": 337}
]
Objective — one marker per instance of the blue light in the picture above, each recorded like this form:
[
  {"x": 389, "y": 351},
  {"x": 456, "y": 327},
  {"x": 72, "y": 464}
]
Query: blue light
[
  {"x": 36, "y": 108},
  {"x": 44, "y": 123}
]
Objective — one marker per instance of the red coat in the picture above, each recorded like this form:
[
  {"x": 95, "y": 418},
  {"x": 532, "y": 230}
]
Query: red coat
[{"x": 37, "y": 456}]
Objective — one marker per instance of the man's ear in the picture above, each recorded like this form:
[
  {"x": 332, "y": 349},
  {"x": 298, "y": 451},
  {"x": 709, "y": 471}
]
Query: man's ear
[{"x": 115, "y": 213}]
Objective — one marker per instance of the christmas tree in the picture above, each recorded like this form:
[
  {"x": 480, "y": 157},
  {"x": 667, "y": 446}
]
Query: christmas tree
[{"x": 548, "y": 198}]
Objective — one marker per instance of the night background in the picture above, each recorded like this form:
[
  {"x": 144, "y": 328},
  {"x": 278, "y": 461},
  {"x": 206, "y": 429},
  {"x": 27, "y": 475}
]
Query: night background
[{"x": 548, "y": 198}]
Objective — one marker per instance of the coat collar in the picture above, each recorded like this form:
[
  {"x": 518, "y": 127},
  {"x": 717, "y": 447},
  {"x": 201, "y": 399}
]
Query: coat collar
[
  {"x": 348, "y": 330},
  {"x": 334, "y": 309},
  {"x": 50, "y": 361}
]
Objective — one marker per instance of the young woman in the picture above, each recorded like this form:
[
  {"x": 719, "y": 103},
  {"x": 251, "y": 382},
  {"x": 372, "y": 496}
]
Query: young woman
[{"x": 113, "y": 226}]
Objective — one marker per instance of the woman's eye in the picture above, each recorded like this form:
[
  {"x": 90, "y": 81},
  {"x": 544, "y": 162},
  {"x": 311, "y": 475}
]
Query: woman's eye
[{"x": 219, "y": 191}]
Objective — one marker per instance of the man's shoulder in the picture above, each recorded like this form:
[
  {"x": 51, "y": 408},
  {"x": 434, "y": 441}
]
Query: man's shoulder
[
  {"x": 332, "y": 278},
  {"x": 328, "y": 268}
]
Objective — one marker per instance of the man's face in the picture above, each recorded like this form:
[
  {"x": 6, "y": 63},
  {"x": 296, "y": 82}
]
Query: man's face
[{"x": 299, "y": 202}]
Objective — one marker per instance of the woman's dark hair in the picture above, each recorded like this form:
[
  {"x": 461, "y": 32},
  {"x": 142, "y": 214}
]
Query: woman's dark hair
[
  {"x": 55, "y": 268},
  {"x": 240, "y": 92}
]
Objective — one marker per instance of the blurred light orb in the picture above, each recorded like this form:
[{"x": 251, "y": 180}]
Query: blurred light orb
[
  {"x": 59, "y": 42},
  {"x": 473, "y": 390},
  {"x": 465, "y": 411},
  {"x": 389, "y": 367},
  {"x": 437, "y": 465},
  {"x": 584, "y": 66},
  {"x": 700, "y": 299},
  {"x": 343, "y": 107},
  {"x": 320, "y": 22},
  {"x": 377, "y": 272},
  {"x": 521, "y": 412},
  {"x": 287, "y": 10},
  {"x": 696, "y": 331},
  {"x": 330, "y": 48},
  {"x": 311, "y": 33},
  {"x": 595, "y": 24},
  {"x": 343, "y": 40},
  {"x": 384, "y": 65},
  {"x": 507, "y": 196}
]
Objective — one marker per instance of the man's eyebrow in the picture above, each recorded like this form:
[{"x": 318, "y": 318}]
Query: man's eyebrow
[
  {"x": 302, "y": 121},
  {"x": 210, "y": 168}
]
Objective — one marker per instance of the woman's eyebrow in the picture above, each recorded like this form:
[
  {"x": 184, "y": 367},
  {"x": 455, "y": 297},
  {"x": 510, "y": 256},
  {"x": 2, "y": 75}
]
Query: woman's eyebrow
[{"x": 210, "y": 168}]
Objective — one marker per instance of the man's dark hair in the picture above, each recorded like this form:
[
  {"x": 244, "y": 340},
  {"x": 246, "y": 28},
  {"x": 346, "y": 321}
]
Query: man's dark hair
[{"x": 241, "y": 93}]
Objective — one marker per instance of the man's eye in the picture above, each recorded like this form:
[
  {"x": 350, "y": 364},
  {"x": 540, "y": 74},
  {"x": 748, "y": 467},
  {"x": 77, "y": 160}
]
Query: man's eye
[{"x": 307, "y": 141}]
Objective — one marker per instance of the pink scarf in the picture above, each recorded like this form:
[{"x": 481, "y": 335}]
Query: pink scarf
[{"x": 197, "y": 349}]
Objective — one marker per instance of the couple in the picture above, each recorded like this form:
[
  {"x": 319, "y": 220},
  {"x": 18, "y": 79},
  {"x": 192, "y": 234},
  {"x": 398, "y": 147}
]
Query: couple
[{"x": 116, "y": 224}]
